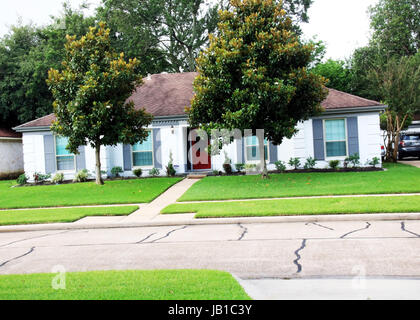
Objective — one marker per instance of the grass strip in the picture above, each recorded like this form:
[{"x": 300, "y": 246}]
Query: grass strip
[
  {"x": 36, "y": 216},
  {"x": 125, "y": 285},
  {"x": 288, "y": 207}
]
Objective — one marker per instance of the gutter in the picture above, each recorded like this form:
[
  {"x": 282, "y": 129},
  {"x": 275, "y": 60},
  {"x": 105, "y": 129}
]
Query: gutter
[{"x": 356, "y": 110}]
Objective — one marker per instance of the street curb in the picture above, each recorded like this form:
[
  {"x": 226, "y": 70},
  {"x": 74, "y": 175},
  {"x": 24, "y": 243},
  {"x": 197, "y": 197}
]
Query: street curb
[{"x": 215, "y": 221}]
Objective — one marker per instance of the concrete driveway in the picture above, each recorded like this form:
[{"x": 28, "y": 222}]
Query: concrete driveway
[{"x": 414, "y": 163}]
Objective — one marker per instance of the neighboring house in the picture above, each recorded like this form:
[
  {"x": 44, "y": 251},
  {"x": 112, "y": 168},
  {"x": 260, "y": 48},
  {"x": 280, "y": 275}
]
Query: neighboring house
[
  {"x": 11, "y": 154},
  {"x": 349, "y": 125},
  {"x": 415, "y": 124}
]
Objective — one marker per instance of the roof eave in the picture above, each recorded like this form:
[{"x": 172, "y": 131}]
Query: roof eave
[
  {"x": 32, "y": 129},
  {"x": 378, "y": 108}
]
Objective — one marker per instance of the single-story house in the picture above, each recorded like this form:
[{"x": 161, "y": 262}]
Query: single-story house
[
  {"x": 348, "y": 125},
  {"x": 11, "y": 154}
]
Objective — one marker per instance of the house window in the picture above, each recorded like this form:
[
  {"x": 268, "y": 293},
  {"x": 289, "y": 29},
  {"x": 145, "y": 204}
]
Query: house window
[
  {"x": 143, "y": 152},
  {"x": 64, "y": 159},
  {"x": 252, "y": 152},
  {"x": 335, "y": 138}
]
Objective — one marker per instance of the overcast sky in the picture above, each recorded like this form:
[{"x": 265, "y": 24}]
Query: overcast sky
[{"x": 342, "y": 24}]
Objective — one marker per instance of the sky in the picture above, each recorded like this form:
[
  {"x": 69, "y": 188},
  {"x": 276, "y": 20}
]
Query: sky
[{"x": 342, "y": 24}]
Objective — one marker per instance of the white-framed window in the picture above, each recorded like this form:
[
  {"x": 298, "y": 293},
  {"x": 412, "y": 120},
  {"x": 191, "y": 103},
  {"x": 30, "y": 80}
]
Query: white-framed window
[
  {"x": 64, "y": 159},
  {"x": 252, "y": 152},
  {"x": 335, "y": 138},
  {"x": 143, "y": 152}
]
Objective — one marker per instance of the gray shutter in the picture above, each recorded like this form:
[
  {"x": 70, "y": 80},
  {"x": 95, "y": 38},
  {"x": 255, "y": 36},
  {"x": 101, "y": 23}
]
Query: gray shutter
[
  {"x": 49, "y": 153},
  {"x": 353, "y": 135},
  {"x": 240, "y": 151},
  {"x": 273, "y": 153},
  {"x": 157, "y": 150},
  {"x": 318, "y": 132},
  {"x": 127, "y": 159},
  {"x": 81, "y": 159}
]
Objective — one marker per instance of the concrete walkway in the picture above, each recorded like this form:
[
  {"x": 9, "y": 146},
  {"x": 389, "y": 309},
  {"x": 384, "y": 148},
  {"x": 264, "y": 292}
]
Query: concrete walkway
[
  {"x": 414, "y": 163},
  {"x": 151, "y": 210}
]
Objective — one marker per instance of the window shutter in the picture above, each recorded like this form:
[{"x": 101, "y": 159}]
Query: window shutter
[
  {"x": 49, "y": 153},
  {"x": 273, "y": 152},
  {"x": 127, "y": 157},
  {"x": 353, "y": 135},
  {"x": 157, "y": 148},
  {"x": 240, "y": 151},
  {"x": 318, "y": 133},
  {"x": 81, "y": 159}
]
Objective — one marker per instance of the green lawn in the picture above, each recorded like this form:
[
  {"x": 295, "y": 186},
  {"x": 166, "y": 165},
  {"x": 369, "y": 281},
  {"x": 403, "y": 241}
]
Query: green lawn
[
  {"x": 287, "y": 207},
  {"x": 398, "y": 179},
  {"x": 35, "y": 216},
  {"x": 113, "y": 192},
  {"x": 125, "y": 285}
]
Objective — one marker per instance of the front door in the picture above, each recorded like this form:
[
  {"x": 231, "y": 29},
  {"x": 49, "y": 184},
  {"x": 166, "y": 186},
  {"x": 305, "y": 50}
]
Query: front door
[{"x": 201, "y": 160}]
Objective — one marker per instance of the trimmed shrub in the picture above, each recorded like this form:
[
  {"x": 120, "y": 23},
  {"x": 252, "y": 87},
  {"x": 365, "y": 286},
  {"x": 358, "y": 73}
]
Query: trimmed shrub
[
  {"x": 375, "y": 161},
  {"x": 280, "y": 166},
  {"x": 334, "y": 164},
  {"x": 227, "y": 168},
  {"x": 39, "y": 177},
  {"x": 295, "y": 163},
  {"x": 58, "y": 178},
  {"x": 138, "y": 172},
  {"x": 239, "y": 167},
  {"x": 81, "y": 176},
  {"x": 116, "y": 171},
  {"x": 170, "y": 170},
  {"x": 22, "y": 179},
  {"x": 310, "y": 163},
  {"x": 154, "y": 172}
]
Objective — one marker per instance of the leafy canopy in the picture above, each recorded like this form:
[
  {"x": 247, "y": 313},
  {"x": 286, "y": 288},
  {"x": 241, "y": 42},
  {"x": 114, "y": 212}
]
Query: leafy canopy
[
  {"x": 254, "y": 76},
  {"x": 91, "y": 93}
]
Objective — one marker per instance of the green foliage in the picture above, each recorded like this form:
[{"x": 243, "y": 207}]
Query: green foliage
[
  {"x": 295, "y": 163},
  {"x": 280, "y": 166},
  {"x": 333, "y": 164},
  {"x": 116, "y": 171},
  {"x": 22, "y": 179},
  {"x": 254, "y": 76},
  {"x": 58, "y": 178},
  {"x": 375, "y": 161},
  {"x": 26, "y": 54},
  {"x": 227, "y": 168},
  {"x": 82, "y": 176},
  {"x": 395, "y": 25},
  {"x": 170, "y": 170},
  {"x": 91, "y": 93},
  {"x": 138, "y": 172},
  {"x": 39, "y": 177},
  {"x": 354, "y": 160},
  {"x": 240, "y": 167},
  {"x": 310, "y": 163},
  {"x": 337, "y": 72},
  {"x": 154, "y": 172}
]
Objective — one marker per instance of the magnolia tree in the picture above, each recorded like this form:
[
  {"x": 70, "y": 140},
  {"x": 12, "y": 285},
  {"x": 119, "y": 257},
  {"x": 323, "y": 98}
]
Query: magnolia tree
[
  {"x": 91, "y": 93},
  {"x": 253, "y": 75}
]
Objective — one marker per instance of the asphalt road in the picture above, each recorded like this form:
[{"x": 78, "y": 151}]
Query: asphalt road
[{"x": 251, "y": 251}]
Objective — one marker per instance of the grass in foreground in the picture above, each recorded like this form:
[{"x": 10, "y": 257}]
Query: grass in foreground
[
  {"x": 288, "y": 207},
  {"x": 78, "y": 194},
  {"x": 125, "y": 285},
  {"x": 35, "y": 216},
  {"x": 398, "y": 178}
]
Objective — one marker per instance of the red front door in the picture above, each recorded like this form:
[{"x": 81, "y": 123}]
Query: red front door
[{"x": 200, "y": 157}]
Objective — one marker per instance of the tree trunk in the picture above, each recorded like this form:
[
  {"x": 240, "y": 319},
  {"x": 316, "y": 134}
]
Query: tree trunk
[
  {"x": 99, "y": 180},
  {"x": 263, "y": 164}
]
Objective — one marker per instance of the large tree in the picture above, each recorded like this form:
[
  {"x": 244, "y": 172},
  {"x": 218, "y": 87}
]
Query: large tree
[
  {"x": 254, "y": 75},
  {"x": 91, "y": 93},
  {"x": 396, "y": 26},
  {"x": 337, "y": 72},
  {"x": 26, "y": 54},
  {"x": 398, "y": 82}
]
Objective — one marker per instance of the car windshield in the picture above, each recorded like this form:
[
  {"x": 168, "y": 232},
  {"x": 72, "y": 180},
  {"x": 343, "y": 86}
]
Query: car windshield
[{"x": 411, "y": 137}]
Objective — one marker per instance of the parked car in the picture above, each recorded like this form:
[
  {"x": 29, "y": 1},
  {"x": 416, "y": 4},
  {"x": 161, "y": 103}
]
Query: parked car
[{"x": 409, "y": 146}]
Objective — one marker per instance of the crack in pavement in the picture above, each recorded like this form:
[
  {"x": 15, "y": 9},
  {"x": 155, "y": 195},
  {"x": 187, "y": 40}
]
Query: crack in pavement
[
  {"x": 37, "y": 237},
  {"x": 168, "y": 234},
  {"x": 146, "y": 238},
  {"x": 245, "y": 231},
  {"x": 298, "y": 256},
  {"x": 319, "y": 225},
  {"x": 404, "y": 229},
  {"x": 15, "y": 258},
  {"x": 346, "y": 234}
]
